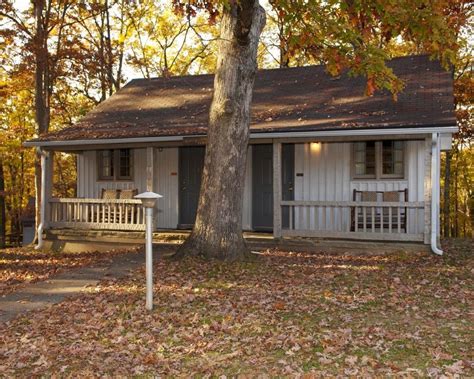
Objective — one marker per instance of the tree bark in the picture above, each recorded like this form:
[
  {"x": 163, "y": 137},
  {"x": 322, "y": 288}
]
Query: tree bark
[
  {"x": 42, "y": 94},
  {"x": 217, "y": 232},
  {"x": 2, "y": 207}
]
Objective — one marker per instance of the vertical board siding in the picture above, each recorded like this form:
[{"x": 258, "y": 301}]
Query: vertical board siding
[
  {"x": 326, "y": 170},
  {"x": 327, "y": 177},
  {"x": 88, "y": 185},
  {"x": 166, "y": 183}
]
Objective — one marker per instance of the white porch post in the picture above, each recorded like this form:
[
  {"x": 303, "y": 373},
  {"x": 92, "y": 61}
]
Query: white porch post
[
  {"x": 277, "y": 194},
  {"x": 149, "y": 169},
  {"x": 46, "y": 185}
]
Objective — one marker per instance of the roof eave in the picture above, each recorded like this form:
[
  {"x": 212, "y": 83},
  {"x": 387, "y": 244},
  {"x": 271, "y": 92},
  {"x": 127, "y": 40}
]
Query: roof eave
[{"x": 254, "y": 135}]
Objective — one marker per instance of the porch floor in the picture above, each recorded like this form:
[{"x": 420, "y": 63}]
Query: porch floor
[{"x": 83, "y": 240}]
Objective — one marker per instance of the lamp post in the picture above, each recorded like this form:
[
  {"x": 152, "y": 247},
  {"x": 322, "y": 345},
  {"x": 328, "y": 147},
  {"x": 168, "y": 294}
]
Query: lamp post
[{"x": 149, "y": 200}]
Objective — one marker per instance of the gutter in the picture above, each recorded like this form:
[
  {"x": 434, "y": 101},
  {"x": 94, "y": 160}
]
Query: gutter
[
  {"x": 357, "y": 132},
  {"x": 254, "y": 136},
  {"x": 435, "y": 184}
]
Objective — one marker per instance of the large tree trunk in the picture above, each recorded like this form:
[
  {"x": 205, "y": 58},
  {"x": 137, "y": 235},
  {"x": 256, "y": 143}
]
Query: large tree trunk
[
  {"x": 217, "y": 231},
  {"x": 42, "y": 110},
  {"x": 2, "y": 207}
]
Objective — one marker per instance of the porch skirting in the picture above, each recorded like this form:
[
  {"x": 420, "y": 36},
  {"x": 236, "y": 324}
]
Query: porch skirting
[{"x": 80, "y": 240}]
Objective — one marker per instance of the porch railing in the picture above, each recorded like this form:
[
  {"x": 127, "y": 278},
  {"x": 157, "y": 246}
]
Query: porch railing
[
  {"x": 353, "y": 219},
  {"x": 110, "y": 214}
]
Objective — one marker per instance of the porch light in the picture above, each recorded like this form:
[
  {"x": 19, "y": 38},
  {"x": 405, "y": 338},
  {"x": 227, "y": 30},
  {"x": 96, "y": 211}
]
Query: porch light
[
  {"x": 149, "y": 200},
  {"x": 315, "y": 147}
]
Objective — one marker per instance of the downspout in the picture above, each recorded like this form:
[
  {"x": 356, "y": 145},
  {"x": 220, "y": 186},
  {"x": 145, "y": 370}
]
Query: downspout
[
  {"x": 44, "y": 156},
  {"x": 435, "y": 184}
]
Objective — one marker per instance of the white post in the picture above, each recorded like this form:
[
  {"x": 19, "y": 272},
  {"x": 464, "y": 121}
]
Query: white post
[
  {"x": 149, "y": 200},
  {"x": 149, "y": 258},
  {"x": 41, "y": 226}
]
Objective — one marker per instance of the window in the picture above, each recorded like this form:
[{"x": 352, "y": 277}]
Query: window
[
  {"x": 115, "y": 164},
  {"x": 378, "y": 160}
]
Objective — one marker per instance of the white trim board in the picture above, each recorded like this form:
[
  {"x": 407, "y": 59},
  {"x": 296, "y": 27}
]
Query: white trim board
[{"x": 253, "y": 136}]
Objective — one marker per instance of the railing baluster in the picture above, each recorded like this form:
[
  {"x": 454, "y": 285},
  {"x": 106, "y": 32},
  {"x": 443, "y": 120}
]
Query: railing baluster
[
  {"x": 372, "y": 209},
  {"x": 364, "y": 210},
  {"x": 290, "y": 215},
  {"x": 356, "y": 221},
  {"x": 399, "y": 220},
  {"x": 390, "y": 219},
  {"x": 382, "y": 216}
]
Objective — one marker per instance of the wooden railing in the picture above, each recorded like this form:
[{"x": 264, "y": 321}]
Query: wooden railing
[
  {"x": 353, "y": 219},
  {"x": 126, "y": 214}
]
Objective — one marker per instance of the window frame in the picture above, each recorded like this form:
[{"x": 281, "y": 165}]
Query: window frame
[
  {"x": 115, "y": 177},
  {"x": 379, "y": 175}
]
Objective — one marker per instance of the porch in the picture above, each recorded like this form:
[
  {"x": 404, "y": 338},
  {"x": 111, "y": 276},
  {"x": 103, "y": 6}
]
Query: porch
[{"x": 312, "y": 194}]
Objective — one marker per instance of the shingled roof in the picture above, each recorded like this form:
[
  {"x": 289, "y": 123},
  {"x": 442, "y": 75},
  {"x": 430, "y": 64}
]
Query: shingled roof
[{"x": 289, "y": 99}]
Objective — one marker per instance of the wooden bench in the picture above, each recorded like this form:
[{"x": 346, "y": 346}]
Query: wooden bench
[
  {"x": 379, "y": 217},
  {"x": 120, "y": 194}
]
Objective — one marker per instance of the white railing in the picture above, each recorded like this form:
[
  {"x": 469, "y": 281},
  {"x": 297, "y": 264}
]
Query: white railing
[
  {"x": 353, "y": 219},
  {"x": 111, "y": 214}
]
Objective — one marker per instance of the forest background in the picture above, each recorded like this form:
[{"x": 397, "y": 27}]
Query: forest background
[{"x": 76, "y": 54}]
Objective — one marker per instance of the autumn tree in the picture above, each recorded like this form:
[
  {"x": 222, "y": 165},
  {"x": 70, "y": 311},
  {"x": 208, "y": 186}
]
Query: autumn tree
[{"x": 162, "y": 42}]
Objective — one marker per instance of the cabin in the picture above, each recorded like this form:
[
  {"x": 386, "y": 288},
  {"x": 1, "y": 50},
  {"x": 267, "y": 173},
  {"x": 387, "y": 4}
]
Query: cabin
[{"x": 324, "y": 160}]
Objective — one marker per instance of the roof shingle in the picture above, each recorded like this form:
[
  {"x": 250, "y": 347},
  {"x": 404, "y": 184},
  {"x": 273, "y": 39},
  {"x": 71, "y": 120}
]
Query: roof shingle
[{"x": 290, "y": 99}]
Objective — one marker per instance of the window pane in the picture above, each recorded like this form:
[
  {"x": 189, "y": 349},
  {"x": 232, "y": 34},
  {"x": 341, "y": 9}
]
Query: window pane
[
  {"x": 124, "y": 162},
  {"x": 106, "y": 161},
  {"x": 370, "y": 158},
  {"x": 392, "y": 158},
  {"x": 364, "y": 158}
]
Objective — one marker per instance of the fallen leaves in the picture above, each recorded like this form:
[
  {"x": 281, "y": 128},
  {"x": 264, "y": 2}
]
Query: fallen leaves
[
  {"x": 19, "y": 266},
  {"x": 289, "y": 314}
]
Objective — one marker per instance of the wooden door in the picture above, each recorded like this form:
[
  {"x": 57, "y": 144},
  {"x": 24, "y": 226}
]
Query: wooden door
[{"x": 191, "y": 163}]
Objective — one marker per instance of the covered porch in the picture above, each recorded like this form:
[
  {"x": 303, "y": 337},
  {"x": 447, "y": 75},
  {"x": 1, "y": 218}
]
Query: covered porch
[{"x": 321, "y": 198}]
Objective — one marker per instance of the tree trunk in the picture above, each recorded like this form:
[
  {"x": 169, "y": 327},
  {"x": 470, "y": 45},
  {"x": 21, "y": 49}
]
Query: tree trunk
[
  {"x": 42, "y": 110},
  {"x": 2, "y": 207},
  {"x": 217, "y": 232},
  {"x": 447, "y": 194}
]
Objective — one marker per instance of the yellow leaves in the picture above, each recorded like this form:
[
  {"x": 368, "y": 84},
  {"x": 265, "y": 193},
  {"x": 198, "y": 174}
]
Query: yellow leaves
[{"x": 371, "y": 86}]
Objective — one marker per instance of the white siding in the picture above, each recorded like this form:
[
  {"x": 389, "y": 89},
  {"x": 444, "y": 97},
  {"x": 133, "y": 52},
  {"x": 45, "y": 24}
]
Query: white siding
[
  {"x": 326, "y": 176},
  {"x": 88, "y": 185}
]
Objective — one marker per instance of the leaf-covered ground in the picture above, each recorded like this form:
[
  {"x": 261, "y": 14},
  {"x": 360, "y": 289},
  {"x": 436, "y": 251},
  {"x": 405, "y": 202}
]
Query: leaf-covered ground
[
  {"x": 19, "y": 266},
  {"x": 406, "y": 314}
]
